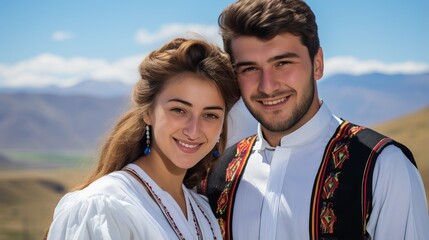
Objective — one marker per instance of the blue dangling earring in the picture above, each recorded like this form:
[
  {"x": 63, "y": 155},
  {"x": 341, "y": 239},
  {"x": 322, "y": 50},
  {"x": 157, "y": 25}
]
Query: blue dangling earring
[
  {"x": 147, "y": 149},
  {"x": 216, "y": 151}
]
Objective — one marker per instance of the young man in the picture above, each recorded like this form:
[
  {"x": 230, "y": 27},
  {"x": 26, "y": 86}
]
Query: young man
[{"x": 306, "y": 174}]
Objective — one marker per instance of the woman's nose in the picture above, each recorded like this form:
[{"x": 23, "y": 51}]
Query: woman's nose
[{"x": 192, "y": 128}]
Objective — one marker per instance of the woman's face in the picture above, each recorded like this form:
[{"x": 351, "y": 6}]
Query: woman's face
[{"x": 186, "y": 120}]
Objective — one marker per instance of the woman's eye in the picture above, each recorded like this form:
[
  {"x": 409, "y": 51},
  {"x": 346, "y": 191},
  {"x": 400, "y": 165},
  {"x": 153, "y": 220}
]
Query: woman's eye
[
  {"x": 211, "y": 116},
  {"x": 178, "y": 110}
]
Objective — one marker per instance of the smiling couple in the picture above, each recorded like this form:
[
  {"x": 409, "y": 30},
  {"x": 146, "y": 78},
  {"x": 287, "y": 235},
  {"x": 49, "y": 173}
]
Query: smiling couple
[{"x": 305, "y": 174}]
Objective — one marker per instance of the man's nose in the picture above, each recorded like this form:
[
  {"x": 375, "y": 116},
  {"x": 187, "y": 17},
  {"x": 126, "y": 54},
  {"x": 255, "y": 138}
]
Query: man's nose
[{"x": 268, "y": 82}]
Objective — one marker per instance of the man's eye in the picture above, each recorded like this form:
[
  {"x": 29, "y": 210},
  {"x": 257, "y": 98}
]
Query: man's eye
[
  {"x": 283, "y": 63},
  {"x": 248, "y": 69}
]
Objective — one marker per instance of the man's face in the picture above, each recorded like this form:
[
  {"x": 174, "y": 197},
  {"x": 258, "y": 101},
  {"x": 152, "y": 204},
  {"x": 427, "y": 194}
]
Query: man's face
[{"x": 277, "y": 82}]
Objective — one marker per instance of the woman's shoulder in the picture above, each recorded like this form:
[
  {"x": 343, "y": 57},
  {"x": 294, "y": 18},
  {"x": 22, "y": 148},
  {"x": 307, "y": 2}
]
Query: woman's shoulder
[
  {"x": 107, "y": 206},
  {"x": 114, "y": 188},
  {"x": 116, "y": 183}
]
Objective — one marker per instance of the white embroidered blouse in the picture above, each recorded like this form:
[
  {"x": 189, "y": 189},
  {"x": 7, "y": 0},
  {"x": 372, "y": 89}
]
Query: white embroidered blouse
[{"x": 117, "y": 206}]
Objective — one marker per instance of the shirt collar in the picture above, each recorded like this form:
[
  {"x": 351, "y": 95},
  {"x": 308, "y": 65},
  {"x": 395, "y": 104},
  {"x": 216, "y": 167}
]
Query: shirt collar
[{"x": 306, "y": 133}]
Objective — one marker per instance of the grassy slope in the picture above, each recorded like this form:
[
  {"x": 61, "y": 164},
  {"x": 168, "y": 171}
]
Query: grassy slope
[
  {"x": 413, "y": 131},
  {"x": 27, "y": 198}
]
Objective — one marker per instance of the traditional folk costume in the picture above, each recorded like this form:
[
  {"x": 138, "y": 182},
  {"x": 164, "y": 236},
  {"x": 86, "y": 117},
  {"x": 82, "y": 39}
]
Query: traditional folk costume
[
  {"x": 117, "y": 206},
  {"x": 327, "y": 180}
]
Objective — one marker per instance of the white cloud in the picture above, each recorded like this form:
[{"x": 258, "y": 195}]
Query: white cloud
[
  {"x": 351, "y": 65},
  {"x": 166, "y": 32},
  {"x": 47, "y": 69},
  {"x": 60, "y": 36}
]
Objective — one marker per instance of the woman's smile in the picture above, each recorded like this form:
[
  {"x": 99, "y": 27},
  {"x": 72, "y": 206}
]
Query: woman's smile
[{"x": 187, "y": 147}]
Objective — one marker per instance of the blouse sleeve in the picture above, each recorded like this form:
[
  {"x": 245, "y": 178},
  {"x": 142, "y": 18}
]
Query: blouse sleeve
[{"x": 94, "y": 217}]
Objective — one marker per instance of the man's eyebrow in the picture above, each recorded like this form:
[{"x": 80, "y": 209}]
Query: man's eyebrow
[
  {"x": 239, "y": 64},
  {"x": 190, "y": 104},
  {"x": 272, "y": 59},
  {"x": 286, "y": 55}
]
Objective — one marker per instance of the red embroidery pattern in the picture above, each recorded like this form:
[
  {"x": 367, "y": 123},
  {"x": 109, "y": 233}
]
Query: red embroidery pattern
[
  {"x": 328, "y": 219},
  {"x": 331, "y": 184},
  {"x": 233, "y": 170},
  {"x": 208, "y": 220},
  {"x": 222, "y": 201},
  {"x": 323, "y": 218},
  {"x": 339, "y": 154},
  {"x": 355, "y": 129}
]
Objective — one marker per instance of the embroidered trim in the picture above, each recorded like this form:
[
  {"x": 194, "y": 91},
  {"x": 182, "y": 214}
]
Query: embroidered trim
[
  {"x": 234, "y": 169},
  {"x": 167, "y": 214},
  {"x": 208, "y": 220},
  {"x": 328, "y": 217},
  {"x": 323, "y": 215}
]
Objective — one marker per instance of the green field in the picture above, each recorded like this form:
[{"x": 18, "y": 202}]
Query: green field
[{"x": 69, "y": 159}]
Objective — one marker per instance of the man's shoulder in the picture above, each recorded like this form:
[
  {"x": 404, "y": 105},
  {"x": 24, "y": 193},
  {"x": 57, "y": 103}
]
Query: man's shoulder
[
  {"x": 363, "y": 133},
  {"x": 373, "y": 140}
]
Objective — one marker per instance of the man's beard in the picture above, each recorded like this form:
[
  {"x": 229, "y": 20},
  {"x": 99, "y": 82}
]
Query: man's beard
[{"x": 297, "y": 114}]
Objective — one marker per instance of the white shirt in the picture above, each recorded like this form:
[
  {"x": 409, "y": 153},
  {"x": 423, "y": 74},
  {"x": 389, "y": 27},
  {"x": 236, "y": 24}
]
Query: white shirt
[
  {"x": 117, "y": 206},
  {"x": 273, "y": 197}
]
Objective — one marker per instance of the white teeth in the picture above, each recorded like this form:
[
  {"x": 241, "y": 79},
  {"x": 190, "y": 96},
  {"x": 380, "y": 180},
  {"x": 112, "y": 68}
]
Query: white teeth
[
  {"x": 274, "y": 102},
  {"x": 187, "y": 145}
]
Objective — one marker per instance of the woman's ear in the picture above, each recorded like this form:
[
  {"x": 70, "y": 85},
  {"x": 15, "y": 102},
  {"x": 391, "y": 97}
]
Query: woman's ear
[{"x": 146, "y": 118}]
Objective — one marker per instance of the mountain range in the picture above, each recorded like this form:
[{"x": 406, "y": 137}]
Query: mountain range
[
  {"x": 55, "y": 122},
  {"x": 78, "y": 117},
  {"x": 374, "y": 98}
]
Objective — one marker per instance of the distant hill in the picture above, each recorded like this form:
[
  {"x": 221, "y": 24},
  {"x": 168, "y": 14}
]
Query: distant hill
[
  {"x": 54, "y": 122},
  {"x": 4, "y": 161},
  {"x": 375, "y": 98}
]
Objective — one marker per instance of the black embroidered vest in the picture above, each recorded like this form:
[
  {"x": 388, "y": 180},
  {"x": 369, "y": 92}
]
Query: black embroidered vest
[{"x": 342, "y": 191}]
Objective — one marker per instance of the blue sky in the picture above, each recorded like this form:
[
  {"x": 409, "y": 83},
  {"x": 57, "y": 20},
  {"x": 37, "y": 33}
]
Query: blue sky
[{"x": 63, "y": 42}]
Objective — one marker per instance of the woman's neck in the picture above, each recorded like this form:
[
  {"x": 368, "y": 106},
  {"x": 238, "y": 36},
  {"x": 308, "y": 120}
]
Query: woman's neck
[{"x": 167, "y": 180}]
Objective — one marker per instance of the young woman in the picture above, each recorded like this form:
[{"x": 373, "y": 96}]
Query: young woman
[{"x": 158, "y": 151}]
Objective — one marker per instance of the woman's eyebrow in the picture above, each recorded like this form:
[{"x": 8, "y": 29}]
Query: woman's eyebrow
[{"x": 190, "y": 104}]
